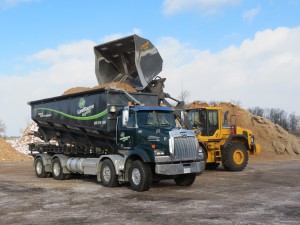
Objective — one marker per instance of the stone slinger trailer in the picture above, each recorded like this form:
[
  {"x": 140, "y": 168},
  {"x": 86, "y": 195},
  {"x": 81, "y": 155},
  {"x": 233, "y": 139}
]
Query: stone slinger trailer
[{"x": 98, "y": 133}]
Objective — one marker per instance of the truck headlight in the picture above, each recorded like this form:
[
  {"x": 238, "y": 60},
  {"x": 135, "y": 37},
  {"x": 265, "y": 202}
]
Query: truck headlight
[
  {"x": 158, "y": 152},
  {"x": 200, "y": 150}
]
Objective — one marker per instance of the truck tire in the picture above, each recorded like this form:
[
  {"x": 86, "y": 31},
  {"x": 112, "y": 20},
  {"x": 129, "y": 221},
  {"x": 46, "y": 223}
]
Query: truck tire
[
  {"x": 235, "y": 157},
  {"x": 140, "y": 176},
  {"x": 211, "y": 166},
  {"x": 39, "y": 168},
  {"x": 185, "y": 179},
  {"x": 108, "y": 174},
  {"x": 57, "y": 170}
]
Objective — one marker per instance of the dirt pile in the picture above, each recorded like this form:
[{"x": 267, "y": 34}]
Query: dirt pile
[
  {"x": 8, "y": 153},
  {"x": 276, "y": 143},
  {"x": 124, "y": 86}
]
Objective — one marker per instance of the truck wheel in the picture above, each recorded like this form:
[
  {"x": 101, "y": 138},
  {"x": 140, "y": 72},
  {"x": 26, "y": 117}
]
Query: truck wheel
[
  {"x": 57, "y": 170},
  {"x": 235, "y": 157},
  {"x": 39, "y": 168},
  {"x": 185, "y": 179},
  {"x": 108, "y": 174},
  {"x": 140, "y": 176},
  {"x": 211, "y": 166}
]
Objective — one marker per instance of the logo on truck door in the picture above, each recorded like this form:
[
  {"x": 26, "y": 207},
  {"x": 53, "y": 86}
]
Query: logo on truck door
[{"x": 123, "y": 137}]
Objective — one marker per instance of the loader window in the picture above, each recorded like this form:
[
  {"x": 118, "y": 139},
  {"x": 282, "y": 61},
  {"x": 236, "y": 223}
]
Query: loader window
[
  {"x": 197, "y": 119},
  {"x": 212, "y": 122}
]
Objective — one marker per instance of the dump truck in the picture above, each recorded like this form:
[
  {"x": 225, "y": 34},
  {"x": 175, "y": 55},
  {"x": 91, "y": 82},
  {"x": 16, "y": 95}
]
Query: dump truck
[
  {"x": 224, "y": 141},
  {"x": 116, "y": 135}
]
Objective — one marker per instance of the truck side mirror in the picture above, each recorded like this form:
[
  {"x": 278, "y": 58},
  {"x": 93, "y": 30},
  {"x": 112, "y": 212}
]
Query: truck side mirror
[
  {"x": 125, "y": 118},
  {"x": 182, "y": 117}
]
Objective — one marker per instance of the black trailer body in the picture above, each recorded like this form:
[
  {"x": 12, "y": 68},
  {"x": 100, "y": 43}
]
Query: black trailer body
[{"x": 84, "y": 119}]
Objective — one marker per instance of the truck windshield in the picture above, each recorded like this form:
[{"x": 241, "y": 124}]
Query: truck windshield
[{"x": 156, "y": 118}]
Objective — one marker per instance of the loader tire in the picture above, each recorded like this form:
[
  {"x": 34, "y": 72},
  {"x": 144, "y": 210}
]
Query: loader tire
[
  {"x": 140, "y": 176},
  {"x": 235, "y": 157},
  {"x": 108, "y": 174}
]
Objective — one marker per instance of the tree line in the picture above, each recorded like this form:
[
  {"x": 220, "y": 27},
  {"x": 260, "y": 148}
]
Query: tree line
[
  {"x": 289, "y": 122},
  {"x": 2, "y": 128}
]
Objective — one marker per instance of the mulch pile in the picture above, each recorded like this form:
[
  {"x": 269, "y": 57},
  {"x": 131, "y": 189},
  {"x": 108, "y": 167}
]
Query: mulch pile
[
  {"x": 8, "y": 153},
  {"x": 124, "y": 86}
]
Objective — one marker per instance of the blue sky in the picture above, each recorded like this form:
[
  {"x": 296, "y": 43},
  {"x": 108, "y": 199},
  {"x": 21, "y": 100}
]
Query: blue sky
[{"x": 219, "y": 50}]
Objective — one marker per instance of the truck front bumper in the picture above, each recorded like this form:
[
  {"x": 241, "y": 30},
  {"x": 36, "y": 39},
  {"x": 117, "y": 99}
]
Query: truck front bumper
[{"x": 180, "y": 168}]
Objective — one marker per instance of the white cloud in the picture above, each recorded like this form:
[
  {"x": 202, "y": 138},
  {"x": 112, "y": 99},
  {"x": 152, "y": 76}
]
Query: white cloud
[
  {"x": 205, "y": 7},
  {"x": 77, "y": 50},
  {"x": 250, "y": 15},
  {"x": 262, "y": 71}
]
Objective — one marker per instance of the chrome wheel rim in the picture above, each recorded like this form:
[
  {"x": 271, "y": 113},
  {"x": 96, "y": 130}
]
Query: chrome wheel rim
[
  {"x": 136, "y": 176},
  {"x": 106, "y": 173},
  {"x": 39, "y": 167},
  {"x": 56, "y": 169}
]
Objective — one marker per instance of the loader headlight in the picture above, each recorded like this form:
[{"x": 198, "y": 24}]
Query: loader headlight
[{"x": 252, "y": 139}]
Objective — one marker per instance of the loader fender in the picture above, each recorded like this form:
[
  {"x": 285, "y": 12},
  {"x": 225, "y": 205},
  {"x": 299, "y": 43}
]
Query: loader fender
[{"x": 236, "y": 136}]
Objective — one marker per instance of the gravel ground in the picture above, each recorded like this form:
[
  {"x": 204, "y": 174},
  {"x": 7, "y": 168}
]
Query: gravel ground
[{"x": 264, "y": 193}]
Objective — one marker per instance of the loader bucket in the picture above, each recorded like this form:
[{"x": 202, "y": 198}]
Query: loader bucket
[{"x": 132, "y": 60}]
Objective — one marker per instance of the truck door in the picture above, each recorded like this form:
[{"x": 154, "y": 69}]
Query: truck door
[{"x": 126, "y": 134}]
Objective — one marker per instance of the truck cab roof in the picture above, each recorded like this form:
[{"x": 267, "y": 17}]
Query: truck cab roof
[{"x": 153, "y": 108}]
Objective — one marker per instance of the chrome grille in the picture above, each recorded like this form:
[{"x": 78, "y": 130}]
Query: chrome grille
[{"x": 185, "y": 148}]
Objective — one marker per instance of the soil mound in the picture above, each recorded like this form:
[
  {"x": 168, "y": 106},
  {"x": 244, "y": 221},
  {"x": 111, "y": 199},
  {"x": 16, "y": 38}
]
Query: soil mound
[
  {"x": 275, "y": 142},
  {"x": 8, "y": 153},
  {"x": 124, "y": 86}
]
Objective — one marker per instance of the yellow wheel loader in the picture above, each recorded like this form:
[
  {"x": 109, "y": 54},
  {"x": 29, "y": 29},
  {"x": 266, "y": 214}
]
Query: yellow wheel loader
[{"x": 226, "y": 144}]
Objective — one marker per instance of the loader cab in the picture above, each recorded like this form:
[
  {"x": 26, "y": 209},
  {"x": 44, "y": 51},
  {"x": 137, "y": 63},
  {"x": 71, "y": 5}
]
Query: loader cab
[{"x": 205, "y": 121}]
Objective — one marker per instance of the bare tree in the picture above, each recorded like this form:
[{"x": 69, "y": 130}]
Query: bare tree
[
  {"x": 2, "y": 127},
  {"x": 293, "y": 123},
  {"x": 278, "y": 116},
  {"x": 184, "y": 94},
  {"x": 257, "y": 111}
]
